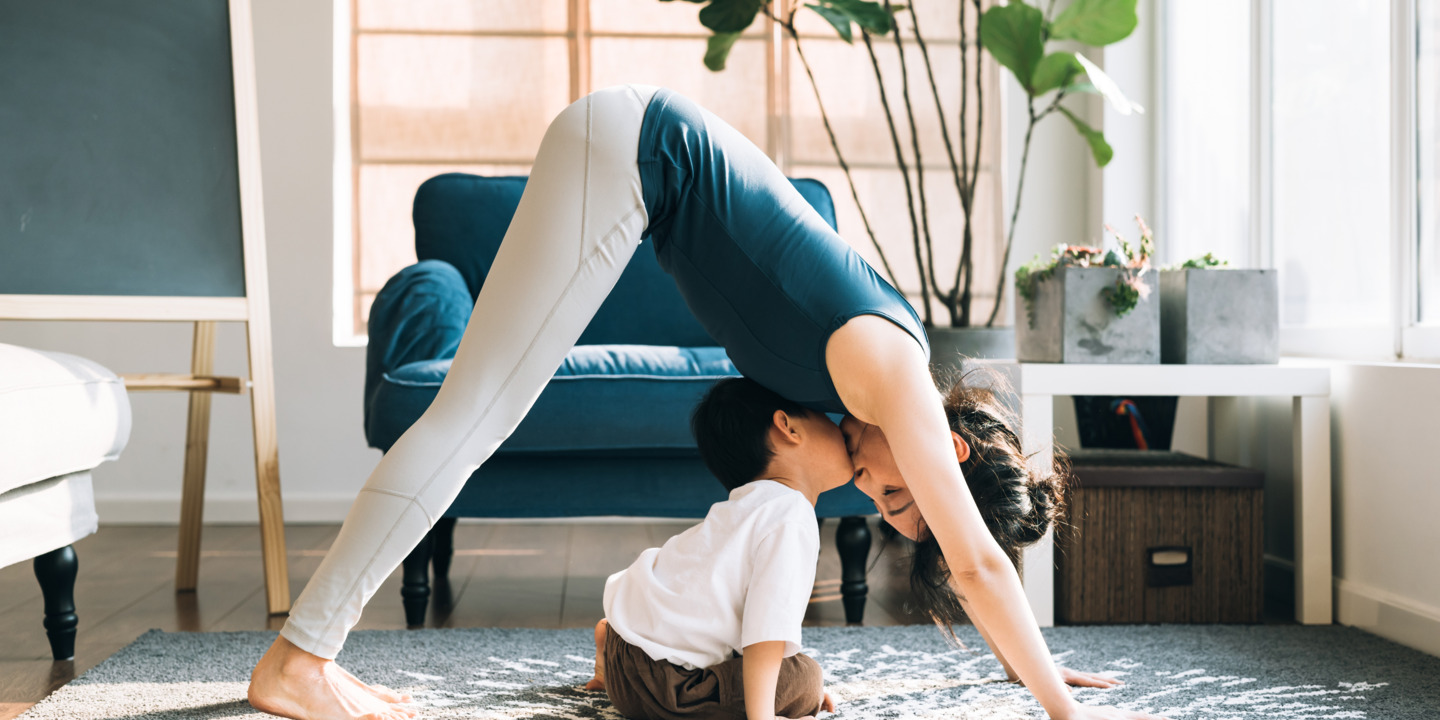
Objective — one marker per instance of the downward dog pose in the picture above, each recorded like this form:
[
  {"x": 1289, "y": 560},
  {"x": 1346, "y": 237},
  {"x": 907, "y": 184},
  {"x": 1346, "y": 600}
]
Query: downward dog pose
[{"x": 795, "y": 308}]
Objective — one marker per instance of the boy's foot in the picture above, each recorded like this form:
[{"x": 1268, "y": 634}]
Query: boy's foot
[
  {"x": 292, "y": 683},
  {"x": 598, "y": 682}
]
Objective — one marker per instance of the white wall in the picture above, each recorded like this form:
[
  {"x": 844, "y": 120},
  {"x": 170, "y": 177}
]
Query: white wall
[
  {"x": 323, "y": 457},
  {"x": 1386, "y": 493}
]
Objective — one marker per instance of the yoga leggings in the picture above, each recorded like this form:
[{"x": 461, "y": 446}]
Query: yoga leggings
[{"x": 579, "y": 221}]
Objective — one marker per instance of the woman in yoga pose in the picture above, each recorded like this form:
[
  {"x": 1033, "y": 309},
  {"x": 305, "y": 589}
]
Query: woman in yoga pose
[{"x": 796, "y": 309}]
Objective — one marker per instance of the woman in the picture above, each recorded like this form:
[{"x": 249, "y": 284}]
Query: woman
[{"x": 794, "y": 307}]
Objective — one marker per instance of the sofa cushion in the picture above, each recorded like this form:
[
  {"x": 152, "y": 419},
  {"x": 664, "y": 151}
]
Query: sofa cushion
[
  {"x": 42, "y": 516},
  {"x": 461, "y": 219},
  {"x": 59, "y": 414},
  {"x": 603, "y": 398}
]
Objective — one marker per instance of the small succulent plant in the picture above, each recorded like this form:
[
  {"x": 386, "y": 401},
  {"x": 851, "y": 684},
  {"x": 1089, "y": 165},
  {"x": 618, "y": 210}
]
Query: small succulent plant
[{"x": 1132, "y": 259}]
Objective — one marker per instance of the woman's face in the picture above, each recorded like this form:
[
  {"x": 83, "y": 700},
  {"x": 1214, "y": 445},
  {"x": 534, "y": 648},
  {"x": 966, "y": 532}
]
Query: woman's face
[{"x": 877, "y": 476}]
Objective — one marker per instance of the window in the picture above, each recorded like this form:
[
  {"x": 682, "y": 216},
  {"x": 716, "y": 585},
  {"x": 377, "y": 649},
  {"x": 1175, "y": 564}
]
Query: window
[
  {"x": 1208, "y": 127},
  {"x": 470, "y": 86},
  {"x": 1330, "y": 144},
  {"x": 1335, "y": 181}
]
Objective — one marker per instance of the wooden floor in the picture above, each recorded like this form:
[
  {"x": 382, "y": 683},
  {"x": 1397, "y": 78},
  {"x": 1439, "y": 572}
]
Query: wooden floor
[{"x": 504, "y": 575}]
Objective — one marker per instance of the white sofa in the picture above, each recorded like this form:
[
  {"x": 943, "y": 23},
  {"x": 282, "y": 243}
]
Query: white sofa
[{"x": 60, "y": 416}]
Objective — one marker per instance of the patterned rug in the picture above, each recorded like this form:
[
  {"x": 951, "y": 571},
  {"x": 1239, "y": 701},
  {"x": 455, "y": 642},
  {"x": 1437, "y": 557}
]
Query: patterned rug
[{"x": 1183, "y": 672}]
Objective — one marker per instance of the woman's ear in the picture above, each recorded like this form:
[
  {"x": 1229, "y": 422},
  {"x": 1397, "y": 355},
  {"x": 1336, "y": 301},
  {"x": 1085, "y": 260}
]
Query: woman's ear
[{"x": 962, "y": 448}]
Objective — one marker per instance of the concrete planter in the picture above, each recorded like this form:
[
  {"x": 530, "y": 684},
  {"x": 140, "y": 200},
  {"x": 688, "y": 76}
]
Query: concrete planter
[
  {"x": 1075, "y": 323},
  {"x": 950, "y": 346},
  {"x": 1220, "y": 316}
]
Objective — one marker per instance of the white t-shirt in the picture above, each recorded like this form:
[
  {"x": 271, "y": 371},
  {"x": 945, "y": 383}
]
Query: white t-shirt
[{"x": 741, "y": 576}]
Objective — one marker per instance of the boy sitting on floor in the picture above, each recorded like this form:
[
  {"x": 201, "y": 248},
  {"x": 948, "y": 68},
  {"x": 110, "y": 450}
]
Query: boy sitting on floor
[{"x": 738, "y": 582}]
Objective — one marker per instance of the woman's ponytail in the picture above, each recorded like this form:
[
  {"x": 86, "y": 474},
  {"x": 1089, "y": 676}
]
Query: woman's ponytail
[{"x": 1017, "y": 504}]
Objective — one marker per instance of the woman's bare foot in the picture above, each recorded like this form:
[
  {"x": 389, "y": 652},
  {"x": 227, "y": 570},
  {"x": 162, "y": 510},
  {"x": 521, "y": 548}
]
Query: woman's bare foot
[
  {"x": 598, "y": 682},
  {"x": 292, "y": 683}
]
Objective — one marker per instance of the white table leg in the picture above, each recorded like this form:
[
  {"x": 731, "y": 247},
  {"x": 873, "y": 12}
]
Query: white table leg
[
  {"x": 1314, "y": 594},
  {"x": 1038, "y": 422}
]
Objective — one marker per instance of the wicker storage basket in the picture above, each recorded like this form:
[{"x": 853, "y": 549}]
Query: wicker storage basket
[{"x": 1160, "y": 537}]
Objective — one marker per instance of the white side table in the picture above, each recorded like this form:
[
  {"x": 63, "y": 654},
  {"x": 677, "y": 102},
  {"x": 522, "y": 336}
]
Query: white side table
[{"x": 1308, "y": 385}]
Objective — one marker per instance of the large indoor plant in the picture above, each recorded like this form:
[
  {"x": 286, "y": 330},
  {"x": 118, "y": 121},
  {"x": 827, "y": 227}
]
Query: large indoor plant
[{"x": 1019, "y": 37}]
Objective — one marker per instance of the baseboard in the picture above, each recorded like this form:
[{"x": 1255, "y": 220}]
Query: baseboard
[
  {"x": 299, "y": 510},
  {"x": 1388, "y": 615},
  {"x": 221, "y": 510}
]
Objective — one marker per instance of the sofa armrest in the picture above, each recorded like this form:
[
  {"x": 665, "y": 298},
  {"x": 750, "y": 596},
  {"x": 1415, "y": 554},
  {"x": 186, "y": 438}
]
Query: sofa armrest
[{"x": 420, "y": 314}]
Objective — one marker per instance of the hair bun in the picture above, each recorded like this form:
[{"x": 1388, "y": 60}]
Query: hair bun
[{"x": 1046, "y": 497}]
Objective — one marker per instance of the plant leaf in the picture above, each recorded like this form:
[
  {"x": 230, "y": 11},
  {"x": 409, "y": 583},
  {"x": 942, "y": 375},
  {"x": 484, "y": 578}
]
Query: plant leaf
[
  {"x": 1098, "y": 147},
  {"x": 729, "y": 16},
  {"x": 1081, "y": 87},
  {"x": 866, "y": 14},
  {"x": 717, "y": 49},
  {"x": 1012, "y": 34},
  {"x": 1054, "y": 71},
  {"x": 1108, "y": 88},
  {"x": 1096, "y": 22},
  {"x": 839, "y": 20}
]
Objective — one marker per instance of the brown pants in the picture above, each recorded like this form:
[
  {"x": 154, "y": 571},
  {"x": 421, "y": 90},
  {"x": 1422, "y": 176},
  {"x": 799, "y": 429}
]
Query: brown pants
[{"x": 646, "y": 689}]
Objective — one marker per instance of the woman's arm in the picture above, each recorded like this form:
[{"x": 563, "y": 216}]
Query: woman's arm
[
  {"x": 883, "y": 378},
  {"x": 1071, "y": 676}
]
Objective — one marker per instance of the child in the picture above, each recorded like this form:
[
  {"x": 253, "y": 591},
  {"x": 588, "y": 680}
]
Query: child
[{"x": 738, "y": 582}]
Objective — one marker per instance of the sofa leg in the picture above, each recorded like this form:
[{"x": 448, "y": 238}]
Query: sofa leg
[
  {"x": 442, "y": 538},
  {"x": 852, "y": 539},
  {"x": 56, "y": 572},
  {"x": 415, "y": 587}
]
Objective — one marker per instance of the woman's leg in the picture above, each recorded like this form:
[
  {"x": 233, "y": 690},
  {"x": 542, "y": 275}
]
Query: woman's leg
[{"x": 577, "y": 224}]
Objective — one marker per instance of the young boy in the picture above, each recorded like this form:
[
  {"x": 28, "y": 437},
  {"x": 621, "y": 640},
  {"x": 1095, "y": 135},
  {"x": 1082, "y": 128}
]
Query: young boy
[{"x": 737, "y": 582}]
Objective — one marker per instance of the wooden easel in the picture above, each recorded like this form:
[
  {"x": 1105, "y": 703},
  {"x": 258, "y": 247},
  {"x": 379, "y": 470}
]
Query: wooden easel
[{"x": 253, "y": 309}]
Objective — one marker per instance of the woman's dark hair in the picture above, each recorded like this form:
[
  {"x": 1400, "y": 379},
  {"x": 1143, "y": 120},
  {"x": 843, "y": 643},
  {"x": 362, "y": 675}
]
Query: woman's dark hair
[
  {"x": 1018, "y": 505},
  {"x": 731, "y": 427}
]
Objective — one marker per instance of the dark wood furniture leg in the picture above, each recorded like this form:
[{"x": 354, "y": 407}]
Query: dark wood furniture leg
[
  {"x": 437, "y": 549},
  {"x": 415, "y": 586},
  {"x": 442, "y": 537},
  {"x": 852, "y": 539},
  {"x": 56, "y": 572}
]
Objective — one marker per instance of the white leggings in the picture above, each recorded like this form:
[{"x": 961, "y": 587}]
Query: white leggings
[{"x": 578, "y": 222}]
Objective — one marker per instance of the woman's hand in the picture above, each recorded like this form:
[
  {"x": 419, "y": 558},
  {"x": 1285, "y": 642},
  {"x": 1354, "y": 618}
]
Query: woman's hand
[
  {"x": 1091, "y": 712},
  {"x": 1080, "y": 678}
]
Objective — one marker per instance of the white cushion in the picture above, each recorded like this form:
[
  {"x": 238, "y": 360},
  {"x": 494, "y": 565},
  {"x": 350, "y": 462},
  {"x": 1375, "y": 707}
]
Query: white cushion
[
  {"x": 42, "y": 516},
  {"x": 59, "y": 414}
]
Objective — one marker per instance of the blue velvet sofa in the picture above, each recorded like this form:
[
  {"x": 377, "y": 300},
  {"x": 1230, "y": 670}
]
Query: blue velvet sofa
[{"x": 610, "y": 433}]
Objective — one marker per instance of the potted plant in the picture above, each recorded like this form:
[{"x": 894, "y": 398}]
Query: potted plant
[
  {"x": 1211, "y": 314},
  {"x": 1016, "y": 35},
  {"x": 1087, "y": 305}
]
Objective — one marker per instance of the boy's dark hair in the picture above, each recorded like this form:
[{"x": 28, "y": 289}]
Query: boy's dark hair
[{"x": 731, "y": 426}]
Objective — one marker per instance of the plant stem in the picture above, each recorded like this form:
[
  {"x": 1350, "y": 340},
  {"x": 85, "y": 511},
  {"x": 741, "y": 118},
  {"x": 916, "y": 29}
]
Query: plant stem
[
  {"x": 915, "y": 146},
  {"x": 1014, "y": 214},
  {"x": 950, "y": 298},
  {"x": 1019, "y": 190},
  {"x": 904, "y": 173},
  {"x": 789, "y": 26},
  {"x": 967, "y": 260}
]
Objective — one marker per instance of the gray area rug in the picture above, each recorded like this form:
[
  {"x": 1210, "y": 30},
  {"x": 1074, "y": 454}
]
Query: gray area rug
[{"x": 1211, "y": 672}]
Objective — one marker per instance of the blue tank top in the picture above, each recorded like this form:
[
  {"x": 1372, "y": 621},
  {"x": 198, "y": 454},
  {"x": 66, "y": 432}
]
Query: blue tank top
[{"x": 759, "y": 268}]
